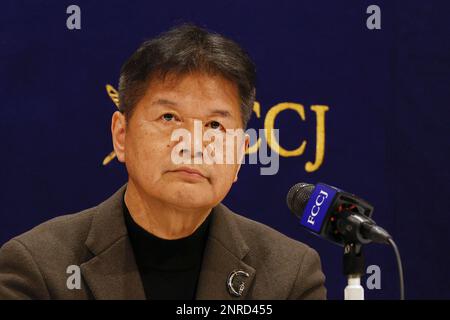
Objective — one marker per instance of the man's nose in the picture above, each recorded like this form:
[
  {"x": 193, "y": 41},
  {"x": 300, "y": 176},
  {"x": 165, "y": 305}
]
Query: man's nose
[{"x": 195, "y": 148}]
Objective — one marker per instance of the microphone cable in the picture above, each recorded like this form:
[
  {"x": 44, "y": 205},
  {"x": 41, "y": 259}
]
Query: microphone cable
[{"x": 400, "y": 268}]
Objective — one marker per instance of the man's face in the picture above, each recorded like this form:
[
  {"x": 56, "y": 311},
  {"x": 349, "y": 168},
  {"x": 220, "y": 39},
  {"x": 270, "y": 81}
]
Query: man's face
[{"x": 148, "y": 150}]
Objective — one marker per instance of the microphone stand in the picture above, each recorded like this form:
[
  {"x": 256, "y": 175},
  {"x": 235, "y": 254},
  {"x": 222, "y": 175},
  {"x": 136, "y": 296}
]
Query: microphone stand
[{"x": 353, "y": 262}]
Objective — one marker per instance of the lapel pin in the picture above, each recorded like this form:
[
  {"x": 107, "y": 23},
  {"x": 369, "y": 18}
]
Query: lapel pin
[{"x": 236, "y": 282}]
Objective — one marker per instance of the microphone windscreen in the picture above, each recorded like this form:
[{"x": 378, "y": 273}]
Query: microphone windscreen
[{"x": 298, "y": 197}]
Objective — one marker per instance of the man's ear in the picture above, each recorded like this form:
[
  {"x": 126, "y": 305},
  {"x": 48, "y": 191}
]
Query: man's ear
[
  {"x": 118, "y": 131},
  {"x": 245, "y": 145}
]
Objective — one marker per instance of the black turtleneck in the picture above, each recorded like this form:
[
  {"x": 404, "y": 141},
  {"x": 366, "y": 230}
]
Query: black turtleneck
[{"x": 169, "y": 269}]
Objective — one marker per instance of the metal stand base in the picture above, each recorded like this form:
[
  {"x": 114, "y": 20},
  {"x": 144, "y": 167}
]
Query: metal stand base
[
  {"x": 353, "y": 269},
  {"x": 354, "y": 290}
]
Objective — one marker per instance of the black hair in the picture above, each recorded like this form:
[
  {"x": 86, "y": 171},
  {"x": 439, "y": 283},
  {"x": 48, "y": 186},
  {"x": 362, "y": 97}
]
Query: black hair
[{"x": 182, "y": 50}]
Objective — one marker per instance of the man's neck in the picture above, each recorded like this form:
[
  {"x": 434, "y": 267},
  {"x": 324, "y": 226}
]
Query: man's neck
[{"x": 161, "y": 219}]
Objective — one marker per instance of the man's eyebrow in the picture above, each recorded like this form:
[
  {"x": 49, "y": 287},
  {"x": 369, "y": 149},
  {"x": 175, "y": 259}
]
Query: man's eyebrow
[
  {"x": 164, "y": 102},
  {"x": 222, "y": 113}
]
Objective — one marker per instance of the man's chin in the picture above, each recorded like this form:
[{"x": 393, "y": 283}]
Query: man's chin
[
  {"x": 189, "y": 203},
  {"x": 189, "y": 195}
]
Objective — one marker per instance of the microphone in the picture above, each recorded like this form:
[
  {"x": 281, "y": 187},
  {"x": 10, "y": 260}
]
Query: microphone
[
  {"x": 335, "y": 215},
  {"x": 343, "y": 219}
]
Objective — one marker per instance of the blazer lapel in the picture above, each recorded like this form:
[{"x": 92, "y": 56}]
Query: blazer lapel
[
  {"x": 223, "y": 256},
  {"x": 112, "y": 273}
]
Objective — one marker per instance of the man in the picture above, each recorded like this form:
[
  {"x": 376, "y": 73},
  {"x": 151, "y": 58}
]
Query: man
[{"x": 165, "y": 234}]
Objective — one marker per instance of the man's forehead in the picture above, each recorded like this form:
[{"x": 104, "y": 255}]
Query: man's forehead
[
  {"x": 208, "y": 83},
  {"x": 221, "y": 94}
]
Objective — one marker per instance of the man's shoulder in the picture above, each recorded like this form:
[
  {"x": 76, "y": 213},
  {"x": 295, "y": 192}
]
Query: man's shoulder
[
  {"x": 34, "y": 263},
  {"x": 268, "y": 241},
  {"x": 68, "y": 231}
]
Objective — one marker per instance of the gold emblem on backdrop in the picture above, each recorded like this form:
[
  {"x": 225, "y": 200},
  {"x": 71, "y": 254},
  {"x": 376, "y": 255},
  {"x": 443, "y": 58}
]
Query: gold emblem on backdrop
[{"x": 269, "y": 125}]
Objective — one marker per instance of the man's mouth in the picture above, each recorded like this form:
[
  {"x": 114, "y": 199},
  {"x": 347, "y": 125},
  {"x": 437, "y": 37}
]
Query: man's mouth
[{"x": 189, "y": 172}]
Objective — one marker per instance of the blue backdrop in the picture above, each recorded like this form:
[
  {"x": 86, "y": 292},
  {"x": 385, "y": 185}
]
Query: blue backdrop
[{"x": 386, "y": 130}]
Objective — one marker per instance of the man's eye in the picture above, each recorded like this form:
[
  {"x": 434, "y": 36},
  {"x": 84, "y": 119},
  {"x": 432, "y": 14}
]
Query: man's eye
[
  {"x": 215, "y": 125},
  {"x": 168, "y": 116}
]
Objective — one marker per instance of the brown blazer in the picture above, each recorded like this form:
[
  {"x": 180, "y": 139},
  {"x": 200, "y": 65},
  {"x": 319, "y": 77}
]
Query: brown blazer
[{"x": 34, "y": 264}]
